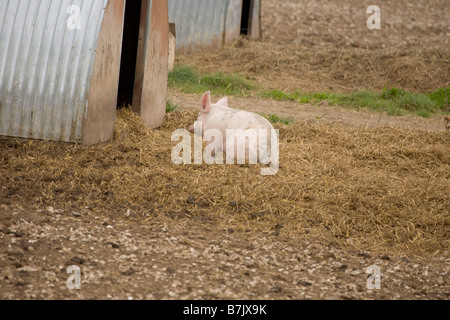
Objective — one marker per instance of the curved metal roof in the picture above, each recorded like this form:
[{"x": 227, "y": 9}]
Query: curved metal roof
[{"x": 47, "y": 53}]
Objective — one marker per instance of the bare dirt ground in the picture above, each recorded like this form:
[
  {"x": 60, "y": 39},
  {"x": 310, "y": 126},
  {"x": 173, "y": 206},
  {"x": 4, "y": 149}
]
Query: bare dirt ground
[
  {"x": 331, "y": 23},
  {"x": 202, "y": 252},
  {"x": 121, "y": 258}
]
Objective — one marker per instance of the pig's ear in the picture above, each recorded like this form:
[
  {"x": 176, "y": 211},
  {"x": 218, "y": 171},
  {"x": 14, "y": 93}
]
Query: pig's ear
[
  {"x": 223, "y": 102},
  {"x": 206, "y": 102}
]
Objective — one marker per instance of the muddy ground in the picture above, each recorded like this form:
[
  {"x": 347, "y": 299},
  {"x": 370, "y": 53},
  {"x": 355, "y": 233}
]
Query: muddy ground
[{"x": 123, "y": 254}]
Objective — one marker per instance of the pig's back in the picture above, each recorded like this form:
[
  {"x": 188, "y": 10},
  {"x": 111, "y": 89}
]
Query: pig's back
[{"x": 239, "y": 119}]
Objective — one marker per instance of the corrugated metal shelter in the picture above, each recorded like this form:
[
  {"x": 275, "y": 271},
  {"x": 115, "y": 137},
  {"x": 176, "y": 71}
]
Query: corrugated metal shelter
[
  {"x": 60, "y": 63},
  {"x": 203, "y": 25}
]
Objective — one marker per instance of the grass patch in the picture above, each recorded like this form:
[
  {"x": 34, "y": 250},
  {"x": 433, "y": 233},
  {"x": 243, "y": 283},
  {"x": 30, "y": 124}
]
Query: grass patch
[
  {"x": 170, "y": 106},
  {"x": 439, "y": 97},
  {"x": 181, "y": 75},
  {"x": 280, "y": 95},
  {"x": 301, "y": 97},
  {"x": 393, "y": 101},
  {"x": 192, "y": 81},
  {"x": 231, "y": 84},
  {"x": 420, "y": 104},
  {"x": 274, "y": 118}
]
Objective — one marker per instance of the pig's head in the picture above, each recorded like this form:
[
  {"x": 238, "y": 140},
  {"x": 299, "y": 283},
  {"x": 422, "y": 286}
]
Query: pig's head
[{"x": 205, "y": 109}]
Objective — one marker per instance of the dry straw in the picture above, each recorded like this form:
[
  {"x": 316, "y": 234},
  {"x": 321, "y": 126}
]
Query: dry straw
[
  {"x": 382, "y": 189},
  {"x": 307, "y": 69}
]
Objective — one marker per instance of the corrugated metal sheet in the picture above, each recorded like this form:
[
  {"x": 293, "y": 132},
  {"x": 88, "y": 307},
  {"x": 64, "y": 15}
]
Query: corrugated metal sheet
[
  {"x": 205, "y": 24},
  {"x": 46, "y": 67}
]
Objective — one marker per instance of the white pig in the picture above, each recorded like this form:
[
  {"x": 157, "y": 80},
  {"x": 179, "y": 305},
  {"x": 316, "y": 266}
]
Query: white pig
[{"x": 250, "y": 131}]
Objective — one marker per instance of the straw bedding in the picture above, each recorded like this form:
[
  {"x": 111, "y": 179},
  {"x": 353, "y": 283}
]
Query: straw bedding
[{"x": 382, "y": 189}]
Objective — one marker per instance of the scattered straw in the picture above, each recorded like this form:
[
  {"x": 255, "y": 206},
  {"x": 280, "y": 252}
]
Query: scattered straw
[
  {"x": 329, "y": 69},
  {"x": 383, "y": 189}
]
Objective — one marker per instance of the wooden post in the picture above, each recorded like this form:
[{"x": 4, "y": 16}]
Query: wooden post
[
  {"x": 101, "y": 110},
  {"x": 150, "y": 84},
  {"x": 172, "y": 45}
]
